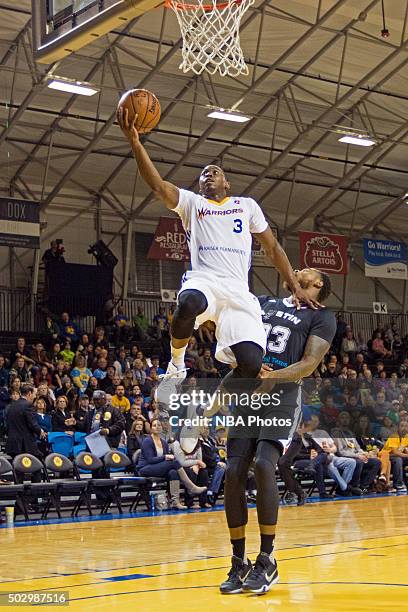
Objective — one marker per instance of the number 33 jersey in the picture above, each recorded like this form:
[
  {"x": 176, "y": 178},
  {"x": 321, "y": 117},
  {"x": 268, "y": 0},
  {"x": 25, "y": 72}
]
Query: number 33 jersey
[
  {"x": 219, "y": 233},
  {"x": 288, "y": 329}
]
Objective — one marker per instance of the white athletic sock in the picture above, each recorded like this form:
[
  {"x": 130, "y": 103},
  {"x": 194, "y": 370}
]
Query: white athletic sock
[{"x": 177, "y": 357}]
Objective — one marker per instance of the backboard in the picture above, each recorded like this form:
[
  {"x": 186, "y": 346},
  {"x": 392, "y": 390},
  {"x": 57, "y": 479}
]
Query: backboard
[{"x": 61, "y": 27}]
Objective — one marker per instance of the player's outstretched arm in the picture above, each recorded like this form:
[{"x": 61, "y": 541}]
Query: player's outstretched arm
[
  {"x": 165, "y": 191},
  {"x": 281, "y": 262},
  {"x": 315, "y": 350}
]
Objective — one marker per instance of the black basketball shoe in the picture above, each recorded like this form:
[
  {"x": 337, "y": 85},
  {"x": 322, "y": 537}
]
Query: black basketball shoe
[
  {"x": 263, "y": 576},
  {"x": 238, "y": 573}
]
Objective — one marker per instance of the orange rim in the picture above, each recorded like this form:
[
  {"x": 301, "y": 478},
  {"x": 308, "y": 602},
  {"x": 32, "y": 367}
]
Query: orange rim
[{"x": 183, "y": 6}]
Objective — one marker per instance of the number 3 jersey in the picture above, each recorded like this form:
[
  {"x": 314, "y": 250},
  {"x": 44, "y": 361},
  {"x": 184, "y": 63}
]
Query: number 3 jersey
[
  {"x": 288, "y": 329},
  {"x": 219, "y": 233}
]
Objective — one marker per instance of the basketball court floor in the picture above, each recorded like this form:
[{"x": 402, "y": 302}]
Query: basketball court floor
[{"x": 342, "y": 555}]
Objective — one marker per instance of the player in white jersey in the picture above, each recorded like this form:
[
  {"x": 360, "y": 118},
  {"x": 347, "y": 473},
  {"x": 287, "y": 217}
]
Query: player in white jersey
[{"x": 219, "y": 229}]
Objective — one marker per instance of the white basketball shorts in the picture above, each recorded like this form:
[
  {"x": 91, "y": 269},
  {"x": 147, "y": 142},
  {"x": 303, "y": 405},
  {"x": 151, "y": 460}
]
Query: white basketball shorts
[{"x": 235, "y": 311}]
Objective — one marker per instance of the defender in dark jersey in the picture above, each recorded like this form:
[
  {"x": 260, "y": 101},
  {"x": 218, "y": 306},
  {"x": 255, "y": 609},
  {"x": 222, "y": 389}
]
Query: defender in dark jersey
[{"x": 297, "y": 342}]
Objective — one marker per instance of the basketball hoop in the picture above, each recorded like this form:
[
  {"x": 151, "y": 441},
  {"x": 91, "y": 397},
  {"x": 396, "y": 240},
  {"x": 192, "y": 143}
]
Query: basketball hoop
[{"x": 211, "y": 35}]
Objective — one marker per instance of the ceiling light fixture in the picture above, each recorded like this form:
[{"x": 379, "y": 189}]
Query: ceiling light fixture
[
  {"x": 358, "y": 139},
  {"x": 72, "y": 86},
  {"x": 227, "y": 115}
]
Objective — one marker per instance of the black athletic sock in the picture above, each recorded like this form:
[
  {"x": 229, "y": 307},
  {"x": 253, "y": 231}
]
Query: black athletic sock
[
  {"x": 267, "y": 542},
  {"x": 238, "y": 548}
]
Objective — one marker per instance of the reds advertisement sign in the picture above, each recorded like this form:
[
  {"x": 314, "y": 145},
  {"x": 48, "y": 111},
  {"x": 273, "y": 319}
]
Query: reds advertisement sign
[
  {"x": 170, "y": 241},
  {"x": 327, "y": 252}
]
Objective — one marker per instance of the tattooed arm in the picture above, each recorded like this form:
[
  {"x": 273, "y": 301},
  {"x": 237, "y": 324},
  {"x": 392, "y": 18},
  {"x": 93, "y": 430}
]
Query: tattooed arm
[{"x": 315, "y": 350}]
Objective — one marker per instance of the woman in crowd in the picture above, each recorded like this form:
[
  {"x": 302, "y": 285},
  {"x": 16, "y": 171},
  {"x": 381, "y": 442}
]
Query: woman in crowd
[
  {"x": 156, "y": 460},
  {"x": 54, "y": 356},
  {"x": 80, "y": 374},
  {"x": 47, "y": 394},
  {"x": 135, "y": 437},
  {"x": 62, "y": 419},
  {"x": 44, "y": 419},
  {"x": 188, "y": 453},
  {"x": 43, "y": 376},
  {"x": 67, "y": 389}
]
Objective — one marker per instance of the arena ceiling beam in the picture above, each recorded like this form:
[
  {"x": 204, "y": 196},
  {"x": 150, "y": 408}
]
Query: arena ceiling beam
[
  {"x": 70, "y": 102},
  {"x": 251, "y": 88}
]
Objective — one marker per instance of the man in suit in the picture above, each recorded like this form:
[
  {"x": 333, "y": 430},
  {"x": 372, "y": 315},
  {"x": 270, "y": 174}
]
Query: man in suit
[
  {"x": 107, "y": 419},
  {"x": 23, "y": 429}
]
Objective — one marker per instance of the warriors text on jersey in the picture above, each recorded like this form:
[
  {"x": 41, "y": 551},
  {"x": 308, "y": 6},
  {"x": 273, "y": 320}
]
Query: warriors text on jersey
[
  {"x": 288, "y": 329},
  {"x": 219, "y": 233}
]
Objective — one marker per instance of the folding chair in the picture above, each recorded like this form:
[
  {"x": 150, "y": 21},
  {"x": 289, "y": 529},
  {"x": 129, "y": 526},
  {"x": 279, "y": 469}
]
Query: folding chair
[
  {"x": 115, "y": 460},
  {"x": 152, "y": 482},
  {"x": 101, "y": 487},
  {"x": 68, "y": 483},
  {"x": 11, "y": 492},
  {"x": 29, "y": 465}
]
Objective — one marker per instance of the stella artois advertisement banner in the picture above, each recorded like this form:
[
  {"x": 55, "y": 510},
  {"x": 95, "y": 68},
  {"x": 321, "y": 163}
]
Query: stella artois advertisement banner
[
  {"x": 326, "y": 252},
  {"x": 170, "y": 241}
]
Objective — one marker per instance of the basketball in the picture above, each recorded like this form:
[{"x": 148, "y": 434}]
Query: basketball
[{"x": 145, "y": 105}]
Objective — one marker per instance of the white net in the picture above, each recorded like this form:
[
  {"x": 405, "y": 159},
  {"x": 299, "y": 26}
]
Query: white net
[{"x": 210, "y": 34}]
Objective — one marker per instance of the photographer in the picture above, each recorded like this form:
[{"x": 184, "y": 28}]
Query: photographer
[{"x": 55, "y": 254}]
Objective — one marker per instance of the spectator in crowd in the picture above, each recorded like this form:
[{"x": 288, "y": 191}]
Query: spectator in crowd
[
  {"x": 135, "y": 437},
  {"x": 141, "y": 324},
  {"x": 359, "y": 363},
  {"x": 329, "y": 411},
  {"x": 155, "y": 361},
  {"x": 187, "y": 451},
  {"x": 39, "y": 355},
  {"x": 341, "y": 469},
  {"x": 55, "y": 354},
  {"x": 379, "y": 348},
  {"x": 161, "y": 322},
  {"x": 23, "y": 429},
  {"x": 83, "y": 415},
  {"x": 4, "y": 372},
  {"x": 80, "y": 374},
  {"x": 100, "y": 340},
  {"x": 120, "y": 363},
  {"x": 215, "y": 466},
  {"x": 21, "y": 350},
  {"x": 206, "y": 332},
  {"x": 43, "y": 419},
  {"x": 388, "y": 429},
  {"x": 367, "y": 468},
  {"x": 100, "y": 372},
  {"x": 156, "y": 460},
  {"x": 21, "y": 369},
  {"x": 206, "y": 366},
  {"x": 398, "y": 449},
  {"x": 119, "y": 400},
  {"x": 55, "y": 254},
  {"x": 139, "y": 373},
  {"x": 349, "y": 345},
  {"x": 381, "y": 407},
  {"x": 52, "y": 329},
  {"x": 192, "y": 355},
  {"x": 43, "y": 376},
  {"x": 107, "y": 419},
  {"x": 361, "y": 344},
  {"x": 305, "y": 454},
  {"x": 62, "y": 418},
  {"x": 68, "y": 329},
  {"x": 121, "y": 324},
  {"x": 67, "y": 354}
]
